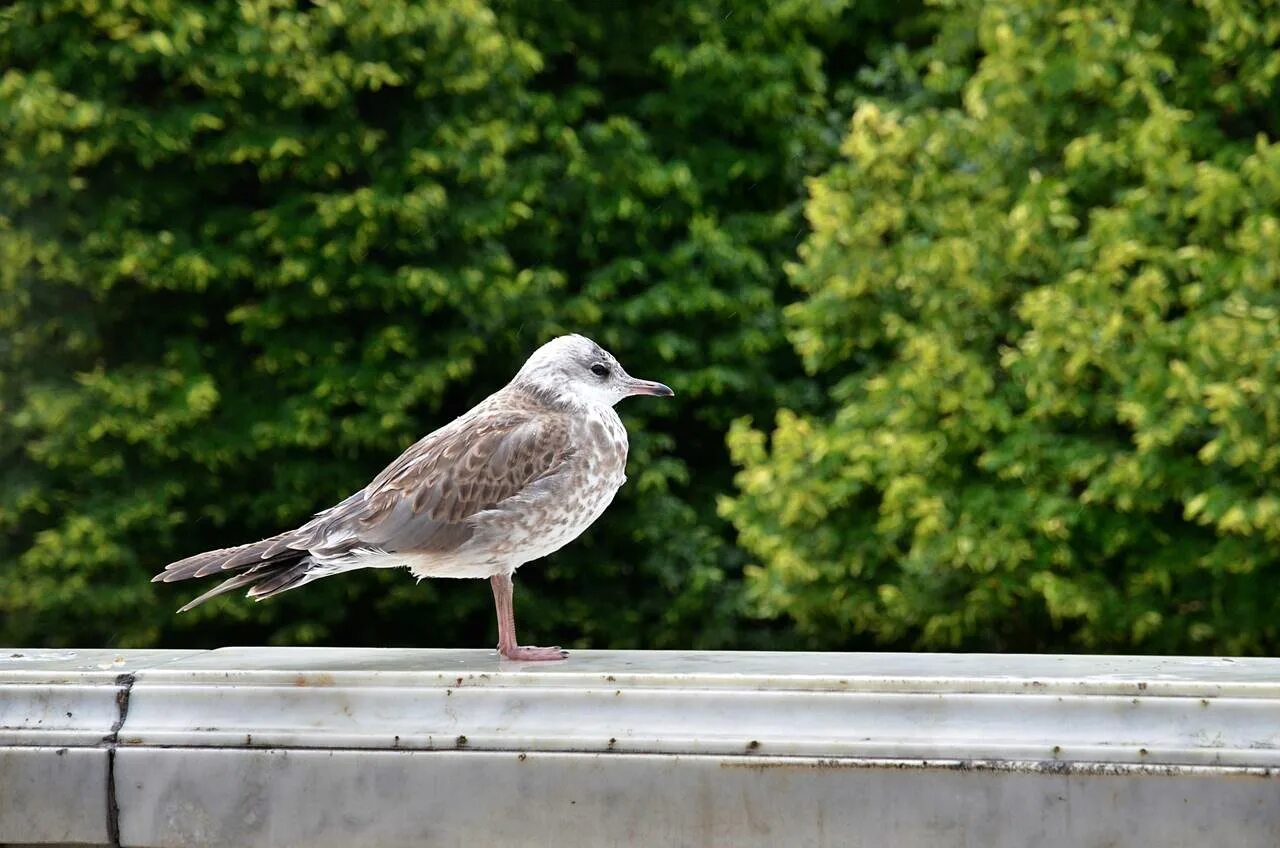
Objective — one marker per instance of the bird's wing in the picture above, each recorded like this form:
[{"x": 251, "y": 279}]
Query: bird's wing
[{"x": 424, "y": 499}]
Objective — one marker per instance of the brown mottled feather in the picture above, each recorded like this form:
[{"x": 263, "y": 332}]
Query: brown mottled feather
[{"x": 469, "y": 466}]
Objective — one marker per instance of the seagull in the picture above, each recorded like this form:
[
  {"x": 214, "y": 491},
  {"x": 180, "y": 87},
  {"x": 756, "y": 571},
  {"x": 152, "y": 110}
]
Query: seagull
[{"x": 518, "y": 477}]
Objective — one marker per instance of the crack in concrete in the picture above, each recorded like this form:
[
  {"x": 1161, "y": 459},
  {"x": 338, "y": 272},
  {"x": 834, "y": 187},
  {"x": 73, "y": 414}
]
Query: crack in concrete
[{"x": 125, "y": 682}]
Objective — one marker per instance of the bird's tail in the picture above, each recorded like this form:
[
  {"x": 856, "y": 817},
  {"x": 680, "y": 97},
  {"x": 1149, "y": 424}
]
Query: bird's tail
[{"x": 268, "y": 567}]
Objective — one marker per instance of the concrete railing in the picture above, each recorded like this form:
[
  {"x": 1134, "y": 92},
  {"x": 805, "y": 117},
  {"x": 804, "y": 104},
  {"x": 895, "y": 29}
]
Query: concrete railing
[{"x": 353, "y": 747}]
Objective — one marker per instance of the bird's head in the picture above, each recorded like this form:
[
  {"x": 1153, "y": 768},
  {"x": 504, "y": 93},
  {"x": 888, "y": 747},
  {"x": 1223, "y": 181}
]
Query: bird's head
[{"x": 575, "y": 370}]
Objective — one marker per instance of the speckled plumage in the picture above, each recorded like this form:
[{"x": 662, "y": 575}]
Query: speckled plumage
[{"x": 516, "y": 478}]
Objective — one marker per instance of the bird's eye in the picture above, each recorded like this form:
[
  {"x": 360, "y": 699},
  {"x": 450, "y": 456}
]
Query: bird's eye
[{"x": 600, "y": 370}]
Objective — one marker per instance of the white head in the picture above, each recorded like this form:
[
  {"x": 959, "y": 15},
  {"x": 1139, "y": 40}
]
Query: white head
[{"x": 575, "y": 370}]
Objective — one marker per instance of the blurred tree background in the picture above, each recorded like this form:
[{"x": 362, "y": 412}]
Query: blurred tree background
[{"x": 1001, "y": 281}]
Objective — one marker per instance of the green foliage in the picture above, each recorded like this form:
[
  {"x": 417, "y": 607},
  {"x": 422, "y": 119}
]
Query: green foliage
[
  {"x": 251, "y": 250},
  {"x": 1043, "y": 288}
]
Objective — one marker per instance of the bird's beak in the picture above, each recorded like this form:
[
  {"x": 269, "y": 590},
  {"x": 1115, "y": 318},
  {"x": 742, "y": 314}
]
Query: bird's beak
[{"x": 647, "y": 387}]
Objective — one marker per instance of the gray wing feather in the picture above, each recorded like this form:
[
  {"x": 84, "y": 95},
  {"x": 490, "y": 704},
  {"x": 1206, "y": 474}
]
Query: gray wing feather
[{"x": 426, "y": 499}]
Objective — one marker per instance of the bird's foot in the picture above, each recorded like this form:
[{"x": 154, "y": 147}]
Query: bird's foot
[{"x": 528, "y": 653}]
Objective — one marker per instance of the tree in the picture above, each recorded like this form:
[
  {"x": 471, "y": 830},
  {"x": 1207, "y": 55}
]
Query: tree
[
  {"x": 1042, "y": 289},
  {"x": 251, "y": 250}
]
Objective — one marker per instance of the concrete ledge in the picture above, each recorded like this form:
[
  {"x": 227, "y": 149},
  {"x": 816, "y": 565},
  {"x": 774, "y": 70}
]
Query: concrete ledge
[{"x": 316, "y": 747}]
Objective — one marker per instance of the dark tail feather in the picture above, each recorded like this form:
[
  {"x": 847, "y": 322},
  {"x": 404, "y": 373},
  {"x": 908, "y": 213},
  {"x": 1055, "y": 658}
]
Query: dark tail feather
[
  {"x": 225, "y": 586},
  {"x": 228, "y": 559},
  {"x": 270, "y": 564},
  {"x": 283, "y": 579}
]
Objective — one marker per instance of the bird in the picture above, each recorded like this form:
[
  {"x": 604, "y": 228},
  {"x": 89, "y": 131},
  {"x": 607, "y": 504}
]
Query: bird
[{"x": 516, "y": 478}]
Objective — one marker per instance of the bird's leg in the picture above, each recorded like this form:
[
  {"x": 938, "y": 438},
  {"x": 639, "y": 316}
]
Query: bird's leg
[{"x": 503, "y": 600}]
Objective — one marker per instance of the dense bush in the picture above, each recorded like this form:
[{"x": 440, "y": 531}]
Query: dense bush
[
  {"x": 1043, "y": 288},
  {"x": 251, "y": 250}
]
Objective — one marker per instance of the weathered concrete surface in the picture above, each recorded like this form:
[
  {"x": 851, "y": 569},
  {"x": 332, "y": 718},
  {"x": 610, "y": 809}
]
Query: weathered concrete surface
[
  {"x": 333, "y": 799},
  {"x": 316, "y": 747},
  {"x": 53, "y": 795}
]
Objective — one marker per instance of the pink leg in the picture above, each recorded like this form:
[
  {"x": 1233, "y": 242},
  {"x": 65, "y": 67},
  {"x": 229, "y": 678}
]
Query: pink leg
[{"x": 502, "y": 598}]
